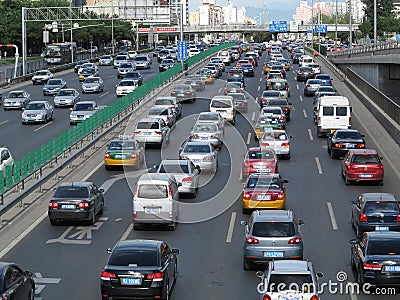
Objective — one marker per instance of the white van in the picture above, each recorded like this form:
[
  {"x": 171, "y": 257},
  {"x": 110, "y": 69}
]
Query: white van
[
  {"x": 332, "y": 113},
  {"x": 225, "y": 106},
  {"x": 225, "y": 57},
  {"x": 306, "y": 61},
  {"x": 156, "y": 200}
]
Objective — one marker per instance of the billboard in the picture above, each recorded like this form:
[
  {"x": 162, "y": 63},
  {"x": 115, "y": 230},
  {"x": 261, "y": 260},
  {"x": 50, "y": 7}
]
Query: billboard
[{"x": 278, "y": 26}]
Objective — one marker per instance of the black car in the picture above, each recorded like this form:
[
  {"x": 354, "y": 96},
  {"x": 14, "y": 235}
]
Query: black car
[
  {"x": 76, "y": 201},
  {"x": 305, "y": 73},
  {"x": 139, "y": 269},
  {"x": 375, "y": 211},
  {"x": 79, "y": 63},
  {"x": 282, "y": 103},
  {"x": 296, "y": 57},
  {"x": 135, "y": 75},
  {"x": 166, "y": 64},
  {"x": 15, "y": 283},
  {"x": 235, "y": 75},
  {"x": 248, "y": 70},
  {"x": 375, "y": 257},
  {"x": 342, "y": 140}
]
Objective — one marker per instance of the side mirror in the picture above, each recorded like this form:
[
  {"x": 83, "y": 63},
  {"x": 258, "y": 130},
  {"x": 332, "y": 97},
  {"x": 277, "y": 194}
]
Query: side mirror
[
  {"x": 301, "y": 222},
  {"x": 381, "y": 157},
  {"x": 260, "y": 274},
  {"x": 320, "y": 274},
  {"x": 198, "y": 169},
  {"x": 155, "y": 167},
  {"x": 101, "y": 190},
  {"x": 353, "y": 241},
  {"x": 109, "y": 250},
  {"x": 243, "y": 222},
  {"x": 285, "y": 181},
  {"x": 179, "y": 184},
  {"x": 175, "y": 251}
]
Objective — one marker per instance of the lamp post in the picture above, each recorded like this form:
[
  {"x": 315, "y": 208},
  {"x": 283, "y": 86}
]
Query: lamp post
[
  {"x": 312, "y": 24},
  {"x": 375, "y": 34},
  {"x": 351, "y": 26},
  {"x": 336, "y": 20},
  {"x": 70, "y": 20},
  {"x": 112, "y": 28}
]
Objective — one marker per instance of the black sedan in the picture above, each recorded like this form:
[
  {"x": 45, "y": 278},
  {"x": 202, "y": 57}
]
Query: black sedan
[
  {"x": 375, "y": 211},
  {"x": 135, "y": 75},
  {"x": 342, "y": 140},
  {"x": 282, "y": 103},
  {"x": 376, "y": 258},
  {"x": 248, "y": 70},
  {"x": 305, "y": 73},
  {"x": 16, "y": 283},
  {"x": 166, "y": 64},
  {"x": 139, "y": 269},
  {"x": 76, "y": 201}
]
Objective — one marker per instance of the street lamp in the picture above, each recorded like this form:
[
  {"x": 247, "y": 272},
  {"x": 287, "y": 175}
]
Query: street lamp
[{"x": 375, "y": 34}]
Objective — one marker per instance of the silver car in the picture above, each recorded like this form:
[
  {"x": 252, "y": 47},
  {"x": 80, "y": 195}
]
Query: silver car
[
  {"x": 201, "y": 154},
  {"x": 207, "y": 132},
  {"x": 184, "y": 171},
  {"x": 152, "y": 131},
  {"x": 92, "y": 85},
  {"x": 142, "y": 62},
  {"x": 16, "y": 99},
  {"x": 37, "y": 111},
  {"x": 124, "y": 68},
  {"x": 214, "y": 117},
  {"x": 277, "y": 140},
  {"x": 66, "y": 97},
  {"x": 106, "y": 60},
  {"x": 41, "y": 76},
  {"x": 240, "y": 101},
  {"x": 170, "y": 102},
  {"x": 53, "y": 86},
  {"x": 82, "y": 111},
  {"x": 166, "y": 113},
  {"x": 120, "y": 59}
]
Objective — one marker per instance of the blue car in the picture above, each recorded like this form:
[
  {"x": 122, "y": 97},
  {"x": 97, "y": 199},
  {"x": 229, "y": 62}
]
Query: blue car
[{"x": 326, "y": 79}]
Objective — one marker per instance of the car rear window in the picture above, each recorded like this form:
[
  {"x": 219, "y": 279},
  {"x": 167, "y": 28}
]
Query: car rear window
[
  {"x": 164, "y": 102},
  {"x": 278, "y": 86},
  {"x": 148, "y": 125},
  {"x": 260, "y": 155},
  {"x": 83, "y": 106},
  {"x": 328, "y": 111},
  {"x": 170, "y": 168},
  {"x": 204, "y": 127},
  {"x": 71, "y": 192},
  {"x": 122, "y": 145},
  {"x": 256, "y": 182},
  {"x": 133, "y": 258},
  {"x": 365, "y": 159},
  {"x": 383, "y": 247},
  {"x": 348, "y": 135},
  {"x": 381, "y": 207},
  {"x": 341, "y": 111},
  {"x": 221, "y": 104},
  {"x": 197, "y": 149},
  {"x": 273, "y": 229},
  {"x": 152, "y": 191},
  {"x": 300, "y": 282}
]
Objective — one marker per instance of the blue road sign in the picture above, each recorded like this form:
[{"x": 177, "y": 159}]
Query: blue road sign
[
  {"x": 182, "y": 50},
  {"x": 278, "y": 26},
  {"x": 321, "y": 28}
]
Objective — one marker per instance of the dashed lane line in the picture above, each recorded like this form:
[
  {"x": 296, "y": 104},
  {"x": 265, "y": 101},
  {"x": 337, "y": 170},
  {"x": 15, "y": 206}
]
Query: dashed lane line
[
  {"x": 310, "y": 134},
  {"x": 231, "y": 227},
  {"x": 332, "y": 216},
  {"x": 318, "y": 165}
]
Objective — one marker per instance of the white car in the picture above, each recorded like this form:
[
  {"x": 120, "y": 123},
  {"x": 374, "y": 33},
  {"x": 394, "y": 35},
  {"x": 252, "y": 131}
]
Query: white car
[
  {"x": 106, "y": 60},
  {"x": 125, "y": 86},
  {"x": 41, "y": 77},
  {"x": 6, "y": 159},
  {"x": 193, "y": 52},
  {"x": 278, "y": 140}
]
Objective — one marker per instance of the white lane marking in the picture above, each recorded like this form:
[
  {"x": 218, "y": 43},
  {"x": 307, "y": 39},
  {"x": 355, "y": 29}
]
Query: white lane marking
[
  {"x": 310, "y": 134},
  {"x": 294, "y": 72},
  {"x": 4, "y": 122},
  {"x": 301, "y": 98},
  {"x": 253, "y": 116},
  {"x": 40, "y": 279},
  {"x": 110, "y": 76},
  {"x": 231, "y": 227},
  {"x": 258, "y": 88},
  {"x": 219, "y": 91},
  {"x": 248, "y": 138},
  {"x": 256, "y": 100},
  {"x": 304, "y": 113},
  {"x": 43, "y": 126},
  {"x": 318, "y": 165},
  {"x": 127, "y": 232},
  {"x": 353, "y": 296},
  {"x": 104, "y": 94},
  {"x": 260, "y": 79},
  {"x": 332, "y": 216},
  {"x": 297, "y": 86}
]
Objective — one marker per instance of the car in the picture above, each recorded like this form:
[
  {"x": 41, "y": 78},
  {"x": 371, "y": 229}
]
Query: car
[
  {"x": 214, "y": 117},
  {"x": 316, "y": 68},
  {"x": 41, "y": 76},
  {"x": 215, "y": 71},
  {"x": 132, "y": 54},
  {"x": 324, "y": 90},
  {"x": 196, "y": 81},
  {"x": 135, "y": 75},
  {"x": 283, "y": 103},
  {"x": 267, "y": 122},
  {"x": 269, "y": 94},
  {"x": 341, "y": 140},
  {"x": 158, "y": 49},
  {"x": 275, "y": 111},
  {"x": 305, "y": 73},
  {"x": 163, "y": 54},
  {"x": 216, "y": 60},
  {"x": 152, "y": 131},
  {"x": 209, "y": 132},
  {"x": 234, "y": 87},
  {"x": 263, "y": 191},
  {"x": 259, "y": 160},
  {"x": 6, "y": 159},
  {"x": 296, "y": 57},
  {"x": 81, "y": 111},
  {"x": 362, "y": 165},
  {"x": 271, "y": 235},
  {"x": 374, "y": 258},
  {"x": 193, "y": 52},
  {"x": 185, "y": 173},
  {"x": 53, "y": 86},
  {"x": 169, "y": 102},
  {"x": 123, "y": 152},
  {"x": 92, "y": 85},
  {"x": 202, "y": 154},
  {"x": 206, "y": 75},
  {"x": 165, "y": 64},
  {"x": 326, "y": 79},
  {"x": 66, "y": 97},
  {"x": 184, "y": 92},
  {"x": 37, "y": 111},
  {"x": 126, "y": 86},
  {"x": 87, "y": 65},
  {"x": 248, "y": 70},
  {"x": 166, "y": 113},
  {"x": 312, "y": 86},
  {"x": 93, "y": 49},
  {"x": 278, "y": 140},
  {"x": 241, "y": 103},
  {"x": 124, "y": 68},
  {"x": 142, "y": 62},
  {"x": 280, "y": 68},
  {"x": 120, "y": 59},
  {"x": 79, "y": 64},
  {"x": 87, "y": 72},
  {"x": 16, "y": 283},
  {"x": 76, "y": 201},
  {"x": 173, "y": 54},
  {"x": 273, "y": 74},
  {"x": 289, "y": 279},
  {"x": 16, "y": 99},
  {"x": 235, "y": 75},
  {"x": 139, "y": 269},
  {"x": 106, "y": 60}
]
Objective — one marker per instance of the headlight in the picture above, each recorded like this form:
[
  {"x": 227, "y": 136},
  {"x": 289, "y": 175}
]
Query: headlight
[{"x": 41, "y": 115}]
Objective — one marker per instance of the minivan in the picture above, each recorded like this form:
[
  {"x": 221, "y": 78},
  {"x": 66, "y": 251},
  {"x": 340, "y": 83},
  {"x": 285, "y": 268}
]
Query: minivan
[
  {"x": 332, "y": 113},
  {"x": 225, "y": 106},
  {"x": 156, "y": 200}
]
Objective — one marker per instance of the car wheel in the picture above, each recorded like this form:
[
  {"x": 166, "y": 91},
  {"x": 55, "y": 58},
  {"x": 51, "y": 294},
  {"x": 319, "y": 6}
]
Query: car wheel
[
  {"x": 246, "y": 265},
  {"x": 332, "y": 154},
  {"x": 101, "y": 211},
  {"x": 93, "y": 218},
  {"x": 346, "y": 180},
  {"x": 172, "y": 226},
  {"x": 53, "y": 222}
]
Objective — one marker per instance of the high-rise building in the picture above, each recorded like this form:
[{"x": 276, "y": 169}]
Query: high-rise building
[{"x": 357, "y": 10}]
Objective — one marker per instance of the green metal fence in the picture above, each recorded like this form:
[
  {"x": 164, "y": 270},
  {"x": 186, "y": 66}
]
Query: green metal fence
[{"x": 39, "y": 157}]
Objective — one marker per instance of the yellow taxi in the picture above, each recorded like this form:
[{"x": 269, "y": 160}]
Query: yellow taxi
[{"x": 123, "y": 151}]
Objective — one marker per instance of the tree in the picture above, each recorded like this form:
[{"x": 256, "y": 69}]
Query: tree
[{"x": 386, "y": 21}]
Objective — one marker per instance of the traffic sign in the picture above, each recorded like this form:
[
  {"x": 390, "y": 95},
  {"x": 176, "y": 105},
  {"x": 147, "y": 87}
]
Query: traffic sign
[
  {"x": 278, "y": 26},
  {"x": 321, "y": 28},
  {"x": 182, "y": 50}
]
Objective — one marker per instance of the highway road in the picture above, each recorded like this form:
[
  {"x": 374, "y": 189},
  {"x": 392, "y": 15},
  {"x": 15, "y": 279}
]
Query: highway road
[{"x": 68, "y": 260}]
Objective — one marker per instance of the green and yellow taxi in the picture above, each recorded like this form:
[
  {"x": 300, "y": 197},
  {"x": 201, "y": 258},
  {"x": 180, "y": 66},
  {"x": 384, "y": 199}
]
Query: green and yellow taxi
[
  {"x": 267, "y": 122},
  {"x": 207, "y": 76},
  {"x": 124, "y": 151}
]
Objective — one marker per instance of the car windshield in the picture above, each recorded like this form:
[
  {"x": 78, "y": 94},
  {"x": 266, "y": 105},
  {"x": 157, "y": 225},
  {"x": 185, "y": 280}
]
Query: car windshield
[
  {"x": 152, "y": 191},
  {"x": 326, "y": 89},
  {"x": 197, "y": 149},
  {"x": 148, "y": 125},
  {"x": 83, "y": 106},
  {"x": 206, "y": 117},
  {"x": 54, "y": 82},
  {"x": 65, "y": 93},
  {"x": 133, "y": 258},
  {"x": 35, "y": 106},
  {"x": 203, "y": 127},
  {"x": 306, "y": 69},
  {"x": 141, "y": 58},
  {"x": 277, "y": 102},
  {"x": 122, "y": 145},
  {"x": 298, "y": 282},
  {"x": 121, "y": 66},
  {"x": 314, "y": 81},
  {"x": 383, "y": 247},
  {"x": 120, "y": 58},
  {"x": 41, "y": 73},
  {"x": 158, "y": 112},
  {"x": 348, "y": 135},
  {"x": 260, "y": 155},
  {"x": 381, "y": 207},
  {"x": 167, "y": 61},
  {"x": 278, "y": 85},
  {"x": 71, "y": 192},
  {"x": 181, "y": 87},
  {"x": 274, "y": 111},
  {"x": 16, "y": 95},
  {"x": 323, "y": 77},
  {"x": 164, "y": 102},
  {"x": 174, "y": 168},
  {"x": 238, "y": 96},
  {"x": 365, "y": 159},
  {"x": 273, "y": 229},
  {"x": 105, "y": 57},
  {"x": 132, "y": 75},
  {"x": 263, "y": 182},
  {"x": 92, "y": 80},
  {"x": 275, "y": 136},
  {"x": 127, "y": 83},
  {"x": 221, "y": 104}
]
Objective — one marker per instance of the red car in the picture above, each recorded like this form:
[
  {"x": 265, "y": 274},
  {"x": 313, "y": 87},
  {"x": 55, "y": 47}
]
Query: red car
[
  {"x": 260, "y": 160},
  {"x": 362, "y": 165}
]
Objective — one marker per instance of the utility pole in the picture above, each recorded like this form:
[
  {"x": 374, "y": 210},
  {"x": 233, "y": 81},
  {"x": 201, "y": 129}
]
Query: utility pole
[
  {"x": 375, "y": 34},
  {"x": 336, "y": 25},
  {"x": 351, "y": 26}
]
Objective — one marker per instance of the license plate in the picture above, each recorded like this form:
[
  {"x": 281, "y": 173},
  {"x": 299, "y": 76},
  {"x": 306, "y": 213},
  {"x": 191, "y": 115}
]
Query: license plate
[
  {"x": 350, "y": 146},
  {"x": 180, "y": 95},
  {"x": 196, "y": 160},
  {"x": 131, "y": 281},
  {"x": 263, "y": 197},
  {"x": 119, "y": 156},
  {"x": 392, "y": 268},
  {"x": 31, "y": 119},
  {"x": 263, "y": 171},
  {"x": 381, "y": 228},
  {"x": 221, "y": 111},
  {"x": 277, "y": 151},
  {"x": 152, "y": 210},
  {"x": 68, "y": 206},
  {"x": 204, "y": 138},
  {"x": 273, "y": 254},
  {"x": 366, "y": 176},
  {"x": 147, "y": 133}
]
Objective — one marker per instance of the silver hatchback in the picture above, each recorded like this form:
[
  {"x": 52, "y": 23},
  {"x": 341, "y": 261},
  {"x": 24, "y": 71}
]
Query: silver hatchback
[
  {"x": 271, "y": 235},
  {"x": 201, "y": 154},
  {"x": 207, "y": 132}
]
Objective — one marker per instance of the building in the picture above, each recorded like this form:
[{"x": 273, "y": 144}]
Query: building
[
  {"x": 396, "y": 10},
  {"x": 303, "y": 13},
  {"x": 211, "y": 14},
  {"x": 357, "y": 10}
]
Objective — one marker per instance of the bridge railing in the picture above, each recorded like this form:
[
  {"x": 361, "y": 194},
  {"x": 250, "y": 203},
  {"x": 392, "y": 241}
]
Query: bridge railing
[{"x": 371, "y": 49}]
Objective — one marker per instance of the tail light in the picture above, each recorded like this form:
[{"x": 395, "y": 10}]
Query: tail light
[
  {"x": 398, "y": 218},
  {"x": 257, "y": 128},
  {"x": 158, "y": 132},
  {"x": 299, "y": 73},
  {"x": 157, "y": 275},
  {"x": 107, "y": 275},
  {"x": 173, "y": 92},
  {"x": 264, "y": 144},
  {"x": 294, "y": 241},
  {"x": 208, "y": 158},
  {"x": 83, "y": 205},
  {"x": 281, "y": 117},
  {"x": 252, "y": 241},
  {"x": 241, "y": 90},
  {"x": 329, "y": 82},
  {"x": 188, "y": 92},
  {"x": 225, "y": 91},
  {"x": 285, "y": 144},
  {"x": 247, "y": 196},
  {"x": 187, "y": 180},
  {"x": 363, "y": 218},
  {"x": 107, "y": 155},
  {"x": 133, "y": 155},
  {"x": 169, "y": 191},
  {"x": 374, "y": 267},
  {"x": 137, "y": 132},
  {"x": 319, "y": 120},
  {"x": 263, "y": 100},
  {"x": 53, "y": 204},
  {"x": 287, "y": 86},
  {"x": 196, "y": 136},
  {"x": 338, "y": 145},
  {"x": 280, "y": 196},
  {"x": 182, "y": 157},
  {"x": 270, "y": 86},
  {"x": 360, "y": 146},
  {"x": 286, "y": 108},
  {"x": 314, "y": 297}
]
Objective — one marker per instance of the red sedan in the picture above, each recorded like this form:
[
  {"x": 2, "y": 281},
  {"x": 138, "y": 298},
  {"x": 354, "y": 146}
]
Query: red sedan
[
  {"x": 260, "y": 160},
  {"x": 362, "y": 165}
]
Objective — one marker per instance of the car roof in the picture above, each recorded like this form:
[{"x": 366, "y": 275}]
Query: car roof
[
  {"x": 150, "y": 120},
  {"x": 75, "y": 184},
  {"x": 154, "y": 177},
  {"x": 198, "y": 143},
  {"x": 378, "y": 196},
  {"x": 256, "y": 175},
  {"x": 38, "y": 101},
  {"x": 363, "y": 151},
  {"x": 86, "y": 102},
  {"x": 174, "y": 162},
  {"x": 290, "y": 266},
  {"x": 138, "y": 243},
  {"x": 273, "y": 215},
  {"x": 383, "y": 235}
]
